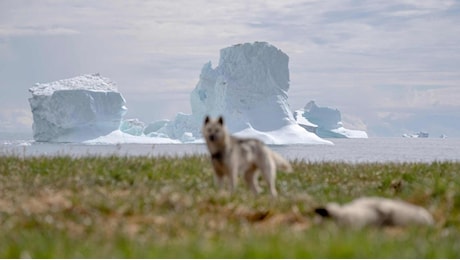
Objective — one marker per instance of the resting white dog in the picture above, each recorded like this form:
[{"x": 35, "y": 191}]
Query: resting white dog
[{"x": 374, "y": 211}]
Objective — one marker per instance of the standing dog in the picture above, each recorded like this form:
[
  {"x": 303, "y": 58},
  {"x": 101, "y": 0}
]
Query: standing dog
[{"x": 232, "y": 156}]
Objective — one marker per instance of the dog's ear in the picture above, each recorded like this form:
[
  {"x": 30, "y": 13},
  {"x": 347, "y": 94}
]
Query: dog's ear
[
  {"x": 206, "y": 120},
  {"x": 322, "y": 212},
  {"x": 221, "y": 120}
]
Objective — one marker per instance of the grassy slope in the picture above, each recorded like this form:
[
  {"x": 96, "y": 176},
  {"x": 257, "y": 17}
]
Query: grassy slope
[{"x": 168, "y": 207}]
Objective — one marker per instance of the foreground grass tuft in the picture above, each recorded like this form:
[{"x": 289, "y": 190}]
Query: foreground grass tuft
[{"x": 163, "y": 207}]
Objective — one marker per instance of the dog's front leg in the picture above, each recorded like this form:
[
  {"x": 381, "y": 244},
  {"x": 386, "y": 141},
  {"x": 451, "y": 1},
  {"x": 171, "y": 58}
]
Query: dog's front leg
[{"x": 219, "y": 175}]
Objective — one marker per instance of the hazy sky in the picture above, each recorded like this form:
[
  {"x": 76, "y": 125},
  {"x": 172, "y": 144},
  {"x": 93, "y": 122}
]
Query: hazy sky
[{"x": 390, "y": 66}]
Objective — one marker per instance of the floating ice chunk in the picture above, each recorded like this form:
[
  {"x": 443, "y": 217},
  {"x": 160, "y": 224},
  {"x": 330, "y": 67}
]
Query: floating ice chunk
[
  {"x": 325, "y": 122},
  {"x": 132, "y": 127},
  {"x": 76, "y": 109}
]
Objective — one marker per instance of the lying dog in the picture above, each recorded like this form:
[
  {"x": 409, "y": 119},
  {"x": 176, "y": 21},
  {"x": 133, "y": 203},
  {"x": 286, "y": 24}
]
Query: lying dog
[
  {"x": 232, "y": 156},
  {"x": 374, "y": 211}
]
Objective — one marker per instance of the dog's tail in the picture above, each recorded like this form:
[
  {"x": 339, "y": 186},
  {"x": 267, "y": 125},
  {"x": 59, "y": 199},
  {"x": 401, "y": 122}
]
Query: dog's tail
[{"x": 281, "y": 163}]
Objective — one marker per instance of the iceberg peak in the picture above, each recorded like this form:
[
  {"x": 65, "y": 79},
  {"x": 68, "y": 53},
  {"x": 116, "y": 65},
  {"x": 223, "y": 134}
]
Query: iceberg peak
[{"x": 249, "y": 79}]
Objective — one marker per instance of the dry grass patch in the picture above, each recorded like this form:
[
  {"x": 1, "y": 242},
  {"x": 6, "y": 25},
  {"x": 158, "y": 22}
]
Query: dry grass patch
[{"x": 168, "y": 207}]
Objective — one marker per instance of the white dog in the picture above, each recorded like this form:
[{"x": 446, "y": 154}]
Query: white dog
[
  {"x": 232, "y": 156},
  {"x": 374, "y": 211}
]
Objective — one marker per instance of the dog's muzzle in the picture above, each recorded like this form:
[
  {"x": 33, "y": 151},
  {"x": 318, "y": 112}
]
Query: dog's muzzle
[{"x": 212, "y": 138}]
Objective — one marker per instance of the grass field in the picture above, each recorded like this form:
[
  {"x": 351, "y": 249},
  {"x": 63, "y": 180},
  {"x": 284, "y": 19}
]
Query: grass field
[{"x": 143, "y": 207}]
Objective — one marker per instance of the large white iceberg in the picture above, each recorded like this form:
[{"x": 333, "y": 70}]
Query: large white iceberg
[
  {"x": 249, "y": 88},
  {"x": 76, "y": 109},
  {"x": 325, "y": 122}
]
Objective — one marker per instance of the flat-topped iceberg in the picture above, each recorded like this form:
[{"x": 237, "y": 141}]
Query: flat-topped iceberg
[{"x": 76, "y": 109}]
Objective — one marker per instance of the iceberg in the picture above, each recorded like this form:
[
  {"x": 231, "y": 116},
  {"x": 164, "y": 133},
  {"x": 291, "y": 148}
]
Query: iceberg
[
  {"x": 418, "y": 135},
  {"x": 325, "y": 122},
  {"x": 132, "y": 126},
  {"x": 249, "y": 89},
  {"x": 76, "y": 109}
]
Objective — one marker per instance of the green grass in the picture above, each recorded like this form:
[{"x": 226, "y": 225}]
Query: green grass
[{"x": 161, "y": 207}]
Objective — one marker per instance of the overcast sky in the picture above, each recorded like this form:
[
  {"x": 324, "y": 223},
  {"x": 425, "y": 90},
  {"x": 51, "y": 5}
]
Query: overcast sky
[{"x": 390, "y": 66}]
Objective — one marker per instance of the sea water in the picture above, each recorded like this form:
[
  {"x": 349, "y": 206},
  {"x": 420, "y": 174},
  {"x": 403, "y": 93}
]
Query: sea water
[{"x": 395, "y": 149}]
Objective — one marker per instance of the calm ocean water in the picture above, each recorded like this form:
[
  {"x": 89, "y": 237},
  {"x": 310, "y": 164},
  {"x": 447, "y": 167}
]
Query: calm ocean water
[{"x": 346, "y": 150}]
